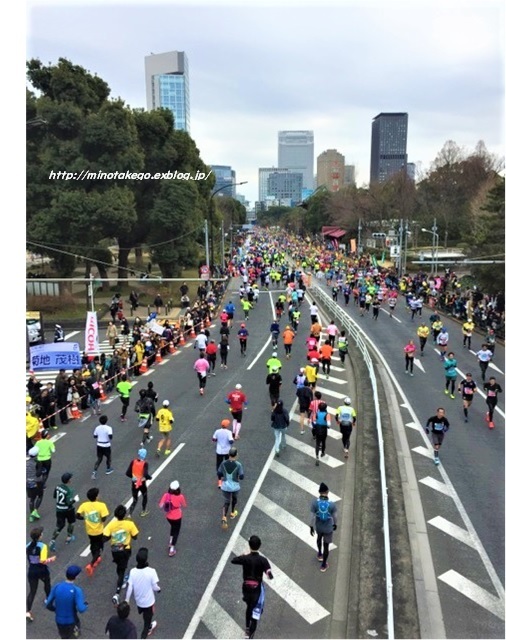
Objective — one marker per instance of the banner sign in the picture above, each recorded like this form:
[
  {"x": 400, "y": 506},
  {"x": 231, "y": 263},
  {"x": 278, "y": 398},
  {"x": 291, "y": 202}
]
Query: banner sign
[
  {"x": 55, "y": 355},
  {"x": 155, "y": 327},
  {"x": 91, "y": 334}
]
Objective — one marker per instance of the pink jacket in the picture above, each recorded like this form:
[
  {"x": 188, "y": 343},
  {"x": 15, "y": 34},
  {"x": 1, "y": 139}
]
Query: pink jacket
[{"x": 201, "y": 365}]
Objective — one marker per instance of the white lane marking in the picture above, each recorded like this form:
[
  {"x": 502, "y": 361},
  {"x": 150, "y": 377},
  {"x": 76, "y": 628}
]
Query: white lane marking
[
  {"x": 299, "y": 480},
  {"x": 388, "y": 313},
  {"x": 330, "y": 392},
  {"x": 56, "y": 437},
  {"x": 220, "y": 623},
  {"x": 493, "y": 366},
  {"x": 269, "y": 342},
  {"x": 286, "y": 520},
  {"x": 334, "y": 368},
  {"x": 412, "y": 425},
  {"x": 331, "y": 433},
  {"x": 474, "y": 592},
  {"x": 435, "y": 484},
  {"x": 155, "y": 475},
  {"x": 332, "y": 379},
  {"x": 428, "y": 453},
  {"x": 300, "y": 601},
  {"x": 71, "y": 335},
  {"x": 419, "y": 364},
  {"x": 452, "y": 530},
  {"x": 310, "y": 451},
  {"x": 213, "y": 582}
]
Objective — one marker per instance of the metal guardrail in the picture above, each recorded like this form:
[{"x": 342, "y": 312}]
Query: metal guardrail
[{"x": 354, "y": 332}]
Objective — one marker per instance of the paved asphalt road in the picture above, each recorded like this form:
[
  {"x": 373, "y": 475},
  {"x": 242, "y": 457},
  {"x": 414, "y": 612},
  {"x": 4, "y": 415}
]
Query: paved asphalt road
[
  {"x": 463, "y": 499},
  {"x": 201, "y": 589}
]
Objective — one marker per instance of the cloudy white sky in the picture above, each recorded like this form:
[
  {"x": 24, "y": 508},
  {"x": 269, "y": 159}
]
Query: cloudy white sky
[{"x": 260, "y": 67}]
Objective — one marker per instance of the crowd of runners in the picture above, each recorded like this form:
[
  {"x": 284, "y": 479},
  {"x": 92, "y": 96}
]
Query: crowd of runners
[{"x": 285, "y": 265}]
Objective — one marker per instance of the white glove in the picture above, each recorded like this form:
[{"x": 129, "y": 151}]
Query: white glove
[{"x": 76, "y": 498}]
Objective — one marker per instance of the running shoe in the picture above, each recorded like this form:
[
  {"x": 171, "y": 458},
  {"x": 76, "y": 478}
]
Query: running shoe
[
  {"x": 319, "y": 556},
  {"x": 52, "y": 545},
  {"x": 317, "y": 463},
  {"x": 172, "y": 552},
  {"x": 452, "y": 396},
  {"x": 446, "y": 391},
  {"x": 152, "y": 627},
  {"x": 201, "y": 391},
  {"x": 115, "y": 599},
  {"x": 125, "y": 581},
  {"x": 324, "y": 566},
  {"x": 491, "y": 425},
  {"x": 109, "y": 471},
  {"x": 302, "y": 433},
  {"x": 89, "y": 569},
  {"x": 234, "y": 514},
  {"x": 224, "y": 523},
  {"x": 144, "y": 513},
  {"x": 70, "y": 539},
  {"x": 436, "y": 461},
  {"x": 29, "y": 617},
  {"x": 277, "y": 454},
  {"x": 158, "y": 453},
  {"x": 93, "y": 475},
  {"x": 346, "y": 453},
  {"x": 167, "y": 452},
  {"x": 97, "y": 562}
]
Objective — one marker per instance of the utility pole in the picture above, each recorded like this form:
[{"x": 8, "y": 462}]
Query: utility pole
[
  {"x": 222, "y": 244},
  {"x": 206, "y": 232},
  {"x": 399, "y": 258},
  {"x": 359, "y": 248},
  {"x": 406, "y": 246}
]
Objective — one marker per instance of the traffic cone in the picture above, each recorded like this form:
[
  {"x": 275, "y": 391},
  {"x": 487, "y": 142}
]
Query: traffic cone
[
  {"x": 158, "y": 357},
  {"x": 75, "y": 412},
  {"x": 103, "y": 395},
  {"x": 182, "y": 341},
  {"x": 192, "y": 333},
  {"x": 144, "y": 365},
  {"x": 172, "y": 348},
  {"x": 208, "y": 322}
]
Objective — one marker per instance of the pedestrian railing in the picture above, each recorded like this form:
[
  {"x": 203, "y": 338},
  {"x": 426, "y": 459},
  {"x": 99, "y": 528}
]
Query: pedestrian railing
[{"x": 353, "y": 331}]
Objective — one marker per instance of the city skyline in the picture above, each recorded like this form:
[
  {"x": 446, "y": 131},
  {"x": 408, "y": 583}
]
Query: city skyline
[{"x": 449, "y": 78}]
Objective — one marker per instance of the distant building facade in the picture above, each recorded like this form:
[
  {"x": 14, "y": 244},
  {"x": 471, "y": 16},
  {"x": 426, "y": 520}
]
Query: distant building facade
[
  {"x": 349, "y": 175},
  {"x": 285, "y": 185},
  {"x": 411, "y": 170},
  {"x": 225, "y": 178},
  {"x": 168, "y": 85},
  {"x": 296, "y": 153},
  {"x": 388, "y": 145},
  {"x": 330, "y": 170}
]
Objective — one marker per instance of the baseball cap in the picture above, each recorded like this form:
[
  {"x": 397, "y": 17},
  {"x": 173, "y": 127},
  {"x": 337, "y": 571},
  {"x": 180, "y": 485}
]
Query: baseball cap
[
  {"x": 72, "y": 571},
  {"x": 225, "y": 423},
  {"x": 142, "y": 453},
  {"x": 238, "y": 386},
  {"x": 274, "y": 354},
  {"x": 165, "y": 403},
  {"x": 174, "y": 485},
  {"x": 66, "y": 477}
]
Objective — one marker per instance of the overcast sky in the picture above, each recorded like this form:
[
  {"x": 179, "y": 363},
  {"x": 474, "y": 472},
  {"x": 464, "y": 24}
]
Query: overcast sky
[{"x": 326, "y": 66}]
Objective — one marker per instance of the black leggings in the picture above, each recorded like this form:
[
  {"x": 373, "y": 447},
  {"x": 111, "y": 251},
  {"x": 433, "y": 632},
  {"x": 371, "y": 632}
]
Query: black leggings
[
  {"x": 202, "y": 380},
  {"x": 135, "y": 495},
  {"x": 125, "y": 402},
  {"x": 175, "y": 528},
  {"x": 450, "y": 381},
  {"x": 33, "y": 581},
  {"x": 409, "y": 363},
  {"x": 229, "y": 496},
  {"x": 224, "y": 357},
  {"x": 147, "y": 617},
  {"x": 35, "y": 495},
  {"x": 319, "y": 541},
  {"x": 250, "y": 596},
  {"x": 120, "y": 559},
  {"x": 101, "y": 452},
  {"x": 346, "y": 433},
  {"x": 491, "y": 404},
  {"x": 321, "y": 440}
]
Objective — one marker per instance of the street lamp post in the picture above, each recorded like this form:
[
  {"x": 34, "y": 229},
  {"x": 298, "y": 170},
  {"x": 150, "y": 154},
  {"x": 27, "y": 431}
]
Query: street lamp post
[
  {"x": 226, "y": 186},
  {"x": 435, "y": 246}
]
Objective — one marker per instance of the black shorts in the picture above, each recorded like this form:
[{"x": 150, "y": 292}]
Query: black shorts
[
  {"x": 467, "y": 398},
  {"x": 69, "y": 515},
  {"x": 121, "y": 558},
  {"x": 230, "y": 316},
  {"x": 237, "y": 415},
  {"x": 438, "y": 437}
]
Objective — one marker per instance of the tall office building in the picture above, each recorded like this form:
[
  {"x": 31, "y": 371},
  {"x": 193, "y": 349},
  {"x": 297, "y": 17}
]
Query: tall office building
[
  {"x": 330, "y": 170},
  {"x": 263, "y": 176},
  {"x": 388, "y": 145},
  {"x": 411, "y": 170},
  {"x": 349, "y": 175},
  {"x": 225, "y": 178},
  {"x": 168, "y": 85},
  {"x": 285, "y": 185},
  {"x": 296, "y": 153}
]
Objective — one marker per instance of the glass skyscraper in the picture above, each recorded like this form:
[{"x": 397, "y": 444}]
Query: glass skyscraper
[
  {"x": 296, "y": 153},
  {"x": 168, "y": 85},
  {"x": 225, "y": 178},
  {"x": 388, "y": 145}
]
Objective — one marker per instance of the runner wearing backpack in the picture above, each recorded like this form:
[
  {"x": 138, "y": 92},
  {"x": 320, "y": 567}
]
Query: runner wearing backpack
[
  {"x": 346, "y": 418},
  {"x": 230, "y": 472},
  {"x": 324, "y": 521},
  {"x": 321, "y": 423}
]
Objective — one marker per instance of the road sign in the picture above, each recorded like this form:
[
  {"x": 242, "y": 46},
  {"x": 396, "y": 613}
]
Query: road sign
[{"x": 204, "y": 272}]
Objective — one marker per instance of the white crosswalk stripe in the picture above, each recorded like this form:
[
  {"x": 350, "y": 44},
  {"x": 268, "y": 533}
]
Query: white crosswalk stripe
[
  {"x": 300, "y": 481},
  {"x": 309, "y": 450},
  {"x": 331, "y": 433}
]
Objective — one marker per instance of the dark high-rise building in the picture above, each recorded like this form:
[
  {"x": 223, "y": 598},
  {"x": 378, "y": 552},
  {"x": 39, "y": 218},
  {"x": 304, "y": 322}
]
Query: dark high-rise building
[
  {"x": 388, "y": 145},
  {"x": 225, "y": 178},
  {"x": 285, "y": 186}
]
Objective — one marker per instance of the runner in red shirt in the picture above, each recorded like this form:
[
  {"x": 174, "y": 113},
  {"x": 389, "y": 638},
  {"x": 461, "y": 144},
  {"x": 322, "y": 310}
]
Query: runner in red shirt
[
  {"x": 211, "y": 351},
  {"x": 237, "y": 401}
]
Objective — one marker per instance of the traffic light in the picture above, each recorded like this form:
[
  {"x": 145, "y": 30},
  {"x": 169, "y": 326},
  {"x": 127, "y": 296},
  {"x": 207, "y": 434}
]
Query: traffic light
[{"x": 379, "y": 235}]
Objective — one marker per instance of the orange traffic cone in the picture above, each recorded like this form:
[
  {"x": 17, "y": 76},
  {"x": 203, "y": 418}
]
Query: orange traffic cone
[
  {"x": 182, "y": 341},
  {"x": 144, "y": 365},
  {"x": 158, "y": 357},
  {"x": 75, "y": 412},
  {"x": 172, "y": 348},
  {"x": 103, "y": 395},
  {"x": 208, "y": 321},
  {"x": 192, "y": 333}
]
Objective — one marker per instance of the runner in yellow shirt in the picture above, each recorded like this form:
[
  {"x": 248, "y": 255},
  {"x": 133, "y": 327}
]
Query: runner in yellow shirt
[
  {"x": 423, "y": 332},
  {"x": 94, "y": 513},
  {"x": 165, "y": 421},
  {"x": 120, "y": 532}
]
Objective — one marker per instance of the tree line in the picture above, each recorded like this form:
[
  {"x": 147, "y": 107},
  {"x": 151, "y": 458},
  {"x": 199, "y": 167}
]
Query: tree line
[{"x": 74, "y": 125}]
